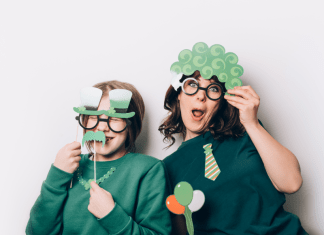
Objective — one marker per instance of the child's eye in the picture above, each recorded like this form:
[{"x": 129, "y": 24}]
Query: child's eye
[{"x": 116, "y": 119}]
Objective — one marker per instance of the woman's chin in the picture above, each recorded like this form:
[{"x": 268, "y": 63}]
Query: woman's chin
[{"x": 194, "y": 127}]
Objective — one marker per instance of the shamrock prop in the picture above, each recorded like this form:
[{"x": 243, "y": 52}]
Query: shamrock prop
[{"x": 185, "y": 201}]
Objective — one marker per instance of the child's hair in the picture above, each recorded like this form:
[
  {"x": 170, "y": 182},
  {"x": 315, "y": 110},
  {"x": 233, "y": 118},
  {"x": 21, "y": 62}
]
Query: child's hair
[{"x": 136, "y": 105}]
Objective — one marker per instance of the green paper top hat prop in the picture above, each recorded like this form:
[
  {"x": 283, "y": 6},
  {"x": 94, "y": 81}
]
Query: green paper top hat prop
[
  {"x": 208, "y": 61},
  {"x": 90, "y": 99},
  {"x": 119, "y": 102}
]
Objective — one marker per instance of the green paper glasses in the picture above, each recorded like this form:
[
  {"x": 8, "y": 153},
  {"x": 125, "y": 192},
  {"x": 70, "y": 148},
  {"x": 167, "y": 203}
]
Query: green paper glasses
[
  {"x": 89, "y": 122},
  {"x": 190, "y": 86}
]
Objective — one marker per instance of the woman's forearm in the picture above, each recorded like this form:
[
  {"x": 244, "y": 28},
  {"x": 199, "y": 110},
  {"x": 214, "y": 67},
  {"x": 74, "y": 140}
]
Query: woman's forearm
[{"x": 281, "y": 164}]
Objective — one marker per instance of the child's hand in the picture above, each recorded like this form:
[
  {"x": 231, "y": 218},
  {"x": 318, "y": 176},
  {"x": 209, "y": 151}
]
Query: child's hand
[
  {"x": 100, "y": 202},
  {"x": 68, "y": 157}
]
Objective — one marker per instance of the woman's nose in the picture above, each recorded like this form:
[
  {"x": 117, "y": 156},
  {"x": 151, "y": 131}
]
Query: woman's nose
[{"x": 201, "y": 95}]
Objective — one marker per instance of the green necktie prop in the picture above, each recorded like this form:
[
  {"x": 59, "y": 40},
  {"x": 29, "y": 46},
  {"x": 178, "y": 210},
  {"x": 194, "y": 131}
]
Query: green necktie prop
[{"x": 211, "y": 168}]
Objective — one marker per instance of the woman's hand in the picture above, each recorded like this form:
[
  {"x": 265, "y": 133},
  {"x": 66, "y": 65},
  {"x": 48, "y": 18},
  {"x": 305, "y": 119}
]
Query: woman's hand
[
  {"x": 100, "y": 202},
  {"x": 68, "y": 157},
  {"x": 247, "y": 101},
  {"x": 281, "y": 164}
]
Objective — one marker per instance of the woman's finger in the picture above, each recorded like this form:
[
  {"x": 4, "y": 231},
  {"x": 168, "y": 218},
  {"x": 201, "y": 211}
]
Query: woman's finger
[
  {"x": 237, "y": 99},
  {"x": 251, "y": 91},
  {"x": 236, "y": 105},
  {"x": 240, "y": 92}
]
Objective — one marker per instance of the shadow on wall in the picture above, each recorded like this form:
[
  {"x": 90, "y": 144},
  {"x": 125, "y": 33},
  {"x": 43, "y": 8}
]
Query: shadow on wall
[{"x": 142, "y": 141}]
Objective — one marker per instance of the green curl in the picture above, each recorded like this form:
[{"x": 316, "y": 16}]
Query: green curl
[{"x": 210, "y": 61}]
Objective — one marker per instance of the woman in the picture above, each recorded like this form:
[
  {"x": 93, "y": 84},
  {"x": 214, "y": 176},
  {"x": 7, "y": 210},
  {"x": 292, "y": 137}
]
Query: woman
[
  {"x": 113, "y": 190},
  {"x": 226, "y": 153}
]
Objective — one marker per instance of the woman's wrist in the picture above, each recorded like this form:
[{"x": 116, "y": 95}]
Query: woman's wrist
[{"x": 252, "y": 127}]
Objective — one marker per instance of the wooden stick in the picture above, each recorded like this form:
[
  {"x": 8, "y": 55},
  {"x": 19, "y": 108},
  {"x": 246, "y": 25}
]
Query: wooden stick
[
  {"x": 94, "y": 161},
  {"x": 76, "y": 139}
]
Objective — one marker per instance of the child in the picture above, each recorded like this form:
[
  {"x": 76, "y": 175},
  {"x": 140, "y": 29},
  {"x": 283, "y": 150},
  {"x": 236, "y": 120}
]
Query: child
[{"x": 113, "y": 190}]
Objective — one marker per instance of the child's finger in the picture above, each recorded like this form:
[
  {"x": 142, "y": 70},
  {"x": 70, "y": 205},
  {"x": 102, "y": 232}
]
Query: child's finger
[
  {"x": 94, "y": 185},
  {"x": 75, "y": 145},
  {"x": 76, "y": 153}
]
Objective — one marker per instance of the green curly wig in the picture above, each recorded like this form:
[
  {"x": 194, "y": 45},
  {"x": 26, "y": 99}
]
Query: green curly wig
[{"x": 210, "y": 61}]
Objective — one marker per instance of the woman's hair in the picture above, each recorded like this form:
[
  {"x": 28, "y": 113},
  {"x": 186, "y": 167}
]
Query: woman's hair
[
  {"x": 224, "y": 122},
  {"x": 136, "y": 105}
]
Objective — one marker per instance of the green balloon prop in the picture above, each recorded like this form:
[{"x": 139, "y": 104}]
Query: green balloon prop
[{"x": 183, "y": 193}]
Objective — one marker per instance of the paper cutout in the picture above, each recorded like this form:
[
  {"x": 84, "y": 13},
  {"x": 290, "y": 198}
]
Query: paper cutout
[
  {"x": 174, "y": 206},
  {"x": 88, "y": 112},
  {"x": 119, "y": 102},
  {"x": 209, "y": 61},
  {"x": 185, "y": 201},
  {"x": 90, "y": 99},
  {"x": 97, "y": 136},
  {"x": 175, "y": 80},
  {"x": 86, "y": 184},
  {"x": 212, "y": 170},
  {"x": 198, "y": 201},
  {"x": 183, "y": 193},
  {"x": 111, "y": 110}
]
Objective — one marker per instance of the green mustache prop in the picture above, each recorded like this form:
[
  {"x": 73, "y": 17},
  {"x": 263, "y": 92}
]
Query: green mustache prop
[{"x": 97, "y": 136}]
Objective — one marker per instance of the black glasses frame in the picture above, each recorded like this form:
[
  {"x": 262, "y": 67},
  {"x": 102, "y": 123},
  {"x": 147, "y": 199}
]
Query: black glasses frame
[
  {"x": 128, "y": 123},
  {"x": 202, "y": 88}
]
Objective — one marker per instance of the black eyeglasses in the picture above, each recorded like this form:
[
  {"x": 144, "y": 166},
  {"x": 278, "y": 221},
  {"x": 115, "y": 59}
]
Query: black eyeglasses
[
  {"x": 89, "y": 122},
  {"x": 190, "y": 86}
]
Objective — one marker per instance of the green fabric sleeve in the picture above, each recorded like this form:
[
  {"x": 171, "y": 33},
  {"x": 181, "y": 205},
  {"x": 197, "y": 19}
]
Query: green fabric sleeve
[
  {"x": 46, "y": 214},
  {"x": 151, "y": 216}
]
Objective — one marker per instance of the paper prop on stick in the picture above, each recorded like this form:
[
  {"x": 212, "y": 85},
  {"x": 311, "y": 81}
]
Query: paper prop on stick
[
  {"x": 185, "y": 201},
  {"x": 208, "y": 61},
  {"x": 89, "y": 118},
  {"x": 96, "y": 136},
  {"x": 90, "y": 99}
]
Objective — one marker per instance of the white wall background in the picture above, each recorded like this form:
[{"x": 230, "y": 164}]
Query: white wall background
[{"x": 49, "y": 50}]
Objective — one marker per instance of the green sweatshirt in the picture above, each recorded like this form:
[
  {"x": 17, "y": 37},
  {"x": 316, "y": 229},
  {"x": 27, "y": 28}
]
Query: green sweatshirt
[
  {"x": 137, "y": 186},
  {"x": 242, "y": 199}
]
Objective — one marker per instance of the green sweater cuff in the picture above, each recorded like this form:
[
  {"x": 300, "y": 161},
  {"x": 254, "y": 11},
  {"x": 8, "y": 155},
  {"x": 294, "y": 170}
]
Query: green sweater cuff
[
  {"x": 58, "y": 179},
  {"x": 116, "y": 221}
]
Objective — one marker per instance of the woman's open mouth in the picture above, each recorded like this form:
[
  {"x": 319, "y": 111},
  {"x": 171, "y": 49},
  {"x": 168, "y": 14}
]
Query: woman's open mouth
[{"x": 197, "y": 114}]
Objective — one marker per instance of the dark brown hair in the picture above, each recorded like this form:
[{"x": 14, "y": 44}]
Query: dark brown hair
[
  {"x": 136, "y": 105},
  {"x": 224, "y": 122}
]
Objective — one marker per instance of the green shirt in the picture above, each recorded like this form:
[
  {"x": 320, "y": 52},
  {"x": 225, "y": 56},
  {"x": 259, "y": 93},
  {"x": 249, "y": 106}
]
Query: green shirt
[
  {"x": 137, "y": 186},
  {"x": 242, "y": 199}
]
